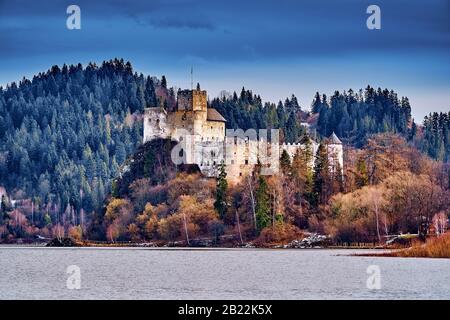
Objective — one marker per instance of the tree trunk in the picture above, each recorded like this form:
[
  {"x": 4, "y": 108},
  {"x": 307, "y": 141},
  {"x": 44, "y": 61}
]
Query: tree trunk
[
  {"x": 185, "y": 228},
  {"x": 239, "y": 227}
]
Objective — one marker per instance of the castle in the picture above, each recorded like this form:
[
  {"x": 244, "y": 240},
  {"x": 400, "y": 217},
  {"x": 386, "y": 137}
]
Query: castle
[{"x": 203, "y": 140}]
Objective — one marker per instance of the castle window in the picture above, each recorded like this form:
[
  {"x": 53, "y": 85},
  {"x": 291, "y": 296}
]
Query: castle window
[
  {"x": 214, "y": 163},
  {"x": 246, "y": 161},
  {"x": 240, "y": 174}
]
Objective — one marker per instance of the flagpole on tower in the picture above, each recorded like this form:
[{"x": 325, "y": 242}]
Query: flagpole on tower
[{"x": 192, "y": 77}]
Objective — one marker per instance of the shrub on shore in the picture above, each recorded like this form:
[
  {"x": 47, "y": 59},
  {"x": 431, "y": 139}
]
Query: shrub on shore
[{"x": 434, "y": 248}]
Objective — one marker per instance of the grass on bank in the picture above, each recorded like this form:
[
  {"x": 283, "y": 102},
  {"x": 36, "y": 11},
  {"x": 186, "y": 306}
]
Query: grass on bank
[{"x": 438, "y": 247}]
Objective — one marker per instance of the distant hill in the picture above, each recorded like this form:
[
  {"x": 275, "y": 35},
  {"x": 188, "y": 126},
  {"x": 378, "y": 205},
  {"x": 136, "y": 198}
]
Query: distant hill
[{"x": 64, "y": 133}]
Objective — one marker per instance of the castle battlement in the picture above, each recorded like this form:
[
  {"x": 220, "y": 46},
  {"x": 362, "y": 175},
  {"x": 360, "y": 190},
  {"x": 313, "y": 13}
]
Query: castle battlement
[{"x": 201, "y": 131}]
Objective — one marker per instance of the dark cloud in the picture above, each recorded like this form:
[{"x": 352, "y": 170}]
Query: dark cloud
[
  {"x": 177, "y": 22},
  {"x": 235, "y": 30},
  {"x": 272, "y": 46}
]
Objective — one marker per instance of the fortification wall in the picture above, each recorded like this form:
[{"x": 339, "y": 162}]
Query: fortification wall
[{"x": 156, "y": 124}]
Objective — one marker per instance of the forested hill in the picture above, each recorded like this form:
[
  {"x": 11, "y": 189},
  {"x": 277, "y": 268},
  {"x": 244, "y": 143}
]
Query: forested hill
[
  {"x": 248, "y": 111},
  {"x": 64, "y": 133},
  {"x": 435, "y": 140},
  {"x": 352, "y": 116}
]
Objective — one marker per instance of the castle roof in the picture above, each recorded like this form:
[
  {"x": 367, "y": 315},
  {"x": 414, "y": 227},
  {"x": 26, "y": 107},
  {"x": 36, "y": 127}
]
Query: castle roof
[
  {"x": 334, "y": 139},
  {"x": 214, "y": 115}
]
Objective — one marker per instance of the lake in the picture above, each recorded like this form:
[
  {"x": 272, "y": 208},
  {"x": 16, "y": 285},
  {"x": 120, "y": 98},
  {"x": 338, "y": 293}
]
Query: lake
[{"x": 149, "y": 273}]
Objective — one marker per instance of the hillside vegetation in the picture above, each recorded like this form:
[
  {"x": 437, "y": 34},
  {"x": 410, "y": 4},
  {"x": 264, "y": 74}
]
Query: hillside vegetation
[
  {"x": 388, "y": 188},
  {"x": 65, "y": 134}
]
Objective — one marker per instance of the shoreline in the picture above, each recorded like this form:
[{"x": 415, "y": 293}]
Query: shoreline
[{"x": 166, "y": 247}]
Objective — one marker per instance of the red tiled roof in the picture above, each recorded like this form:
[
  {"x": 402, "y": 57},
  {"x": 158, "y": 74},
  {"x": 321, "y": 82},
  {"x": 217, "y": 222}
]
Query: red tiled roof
[{"x": 214, "y": 115}]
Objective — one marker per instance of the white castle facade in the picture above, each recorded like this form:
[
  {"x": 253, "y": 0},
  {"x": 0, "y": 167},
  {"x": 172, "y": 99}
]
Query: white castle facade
[{"x": 203, "y": 140}]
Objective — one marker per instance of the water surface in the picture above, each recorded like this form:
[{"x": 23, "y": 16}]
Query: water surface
[{"x": 140, "y": 273}]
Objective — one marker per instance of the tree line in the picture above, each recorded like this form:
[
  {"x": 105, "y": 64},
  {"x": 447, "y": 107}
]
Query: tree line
[{"x": 64, "y": 134}]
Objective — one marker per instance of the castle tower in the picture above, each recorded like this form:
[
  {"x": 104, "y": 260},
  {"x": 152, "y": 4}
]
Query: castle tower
[
  {"x": 192, "y": 100},
  {"x": 194, "y": 103},
  {"x": 335, "y": 151},
  {"x": 155, "y": 124}
]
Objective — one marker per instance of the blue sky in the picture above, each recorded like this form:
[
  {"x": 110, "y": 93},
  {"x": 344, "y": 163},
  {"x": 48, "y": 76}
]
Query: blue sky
[{"x": 275, "y": 48}]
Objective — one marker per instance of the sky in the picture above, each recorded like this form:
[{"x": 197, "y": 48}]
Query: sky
[{"x": 275, "y": 48}]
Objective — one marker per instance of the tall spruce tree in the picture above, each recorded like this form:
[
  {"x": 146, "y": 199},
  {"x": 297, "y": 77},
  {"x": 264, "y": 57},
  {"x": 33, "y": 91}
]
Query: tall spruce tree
[
  {"x": 362, "y": 176},
  {"x": 262, "y": 205},
  {"x": 221, "y": 204},
  {"x": 321, "y": 176},
  {"x": 285, "y": 163}
]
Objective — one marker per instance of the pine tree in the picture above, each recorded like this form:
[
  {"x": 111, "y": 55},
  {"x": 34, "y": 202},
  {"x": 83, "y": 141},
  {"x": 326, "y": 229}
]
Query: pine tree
[
  {"x": 316, "y": 106},
  {"x": 362, "y": 177},
  {"x": 262, "y": 205},
  {"x": 221, "y": 204},
  {"x": 321, "y": 176},
  {"x": 285, "y": 163},
  {"x": 164, "y": 82},
  {"x": 301, "y": 169}
]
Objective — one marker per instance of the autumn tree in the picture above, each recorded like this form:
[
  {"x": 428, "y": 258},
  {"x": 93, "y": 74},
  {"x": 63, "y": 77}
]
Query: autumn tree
[
  {"x": 414, "y": 200},
  {"x": 76, "y": 232}
]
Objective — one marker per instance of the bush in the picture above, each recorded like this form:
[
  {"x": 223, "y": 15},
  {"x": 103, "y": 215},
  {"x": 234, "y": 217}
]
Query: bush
[
  {"x": 434, "y": 248},
  {"x": 76, "y": 233},
  {"x": 283, "y": 233}
]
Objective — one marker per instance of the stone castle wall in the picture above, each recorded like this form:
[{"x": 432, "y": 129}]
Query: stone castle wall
[{"x": 209, "y": 146}]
